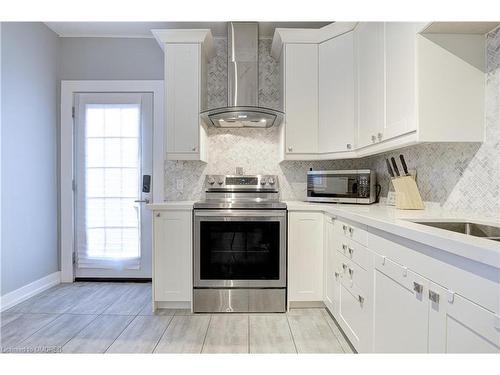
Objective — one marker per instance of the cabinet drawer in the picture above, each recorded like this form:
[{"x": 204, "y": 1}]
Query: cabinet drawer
[
  {"x": 356, "y": 252},
  {"x": 354, "y": 277},
  {"x": 355, "y": 315},
  {"x": 356, "y": 233}
]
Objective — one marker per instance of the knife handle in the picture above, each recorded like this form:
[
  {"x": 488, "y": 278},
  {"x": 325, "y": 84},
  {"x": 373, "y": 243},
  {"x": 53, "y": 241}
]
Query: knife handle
[
  {"x": 395, "y": 167},
  {"x": 389, "y": 168},
  {"x": 403, "y": 163}
]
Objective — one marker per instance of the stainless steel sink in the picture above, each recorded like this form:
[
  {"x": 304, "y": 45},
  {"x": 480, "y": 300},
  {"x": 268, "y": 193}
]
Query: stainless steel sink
[{"x": 471, "y": 229}]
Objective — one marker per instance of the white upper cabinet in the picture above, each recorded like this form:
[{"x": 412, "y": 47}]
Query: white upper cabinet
[
  {"x": 400, "y": 78},
  {"x": 377, "y": 87},
  {"x": 371, "y": 105},
  {"x": 182, "y": 77},
  {"x": 301, "y": 98},
  {"x": 186, "y": 56},
  {"x": 337, "y": 94}
]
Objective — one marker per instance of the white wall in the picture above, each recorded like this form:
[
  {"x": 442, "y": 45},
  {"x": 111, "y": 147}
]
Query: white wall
[
  {"x": 110, "y": 58},
  {"x": 30, "y": 59}
]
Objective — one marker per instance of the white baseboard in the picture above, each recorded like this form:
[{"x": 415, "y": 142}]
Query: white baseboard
[{"x": 30, "y": 290}]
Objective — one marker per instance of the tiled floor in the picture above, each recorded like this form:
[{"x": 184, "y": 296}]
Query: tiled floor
[{"x": 117, "y": 318}]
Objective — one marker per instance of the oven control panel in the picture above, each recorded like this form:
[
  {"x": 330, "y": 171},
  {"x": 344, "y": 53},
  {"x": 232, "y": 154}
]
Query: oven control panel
[{"x": 254, "y": 182}]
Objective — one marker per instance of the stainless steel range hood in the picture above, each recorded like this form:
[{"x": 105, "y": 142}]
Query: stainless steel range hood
[{"x": 242, "y": 109}]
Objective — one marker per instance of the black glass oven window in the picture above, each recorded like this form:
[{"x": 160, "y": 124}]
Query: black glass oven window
[{"x": 239, "y": 250}]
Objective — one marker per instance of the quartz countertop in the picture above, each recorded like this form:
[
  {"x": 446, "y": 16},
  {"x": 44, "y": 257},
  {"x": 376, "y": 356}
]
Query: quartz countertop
[
  {"x": 400, "y": 223},
  {"x": 172, "y": 205}
]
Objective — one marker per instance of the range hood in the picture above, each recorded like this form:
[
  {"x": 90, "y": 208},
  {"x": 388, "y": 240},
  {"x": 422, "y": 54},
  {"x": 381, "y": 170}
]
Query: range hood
[{"x": 242, "y": 109}]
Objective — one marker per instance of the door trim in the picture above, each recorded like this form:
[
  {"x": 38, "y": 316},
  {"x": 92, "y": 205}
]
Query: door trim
[{"x": 66, "y": 152}]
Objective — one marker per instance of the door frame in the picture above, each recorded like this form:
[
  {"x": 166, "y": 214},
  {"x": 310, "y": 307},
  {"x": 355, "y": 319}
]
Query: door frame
[{"x": 66, "y": 153}]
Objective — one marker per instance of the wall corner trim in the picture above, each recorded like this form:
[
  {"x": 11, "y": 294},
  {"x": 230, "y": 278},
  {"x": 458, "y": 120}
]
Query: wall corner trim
[{"x": 32, "y": 289}]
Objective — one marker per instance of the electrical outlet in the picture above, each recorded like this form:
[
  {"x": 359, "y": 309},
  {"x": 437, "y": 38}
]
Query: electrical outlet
[{"x": 180, "y": 185}]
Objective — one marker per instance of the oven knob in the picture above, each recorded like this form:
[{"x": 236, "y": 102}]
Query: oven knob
[
  {"x": 263, "y": 181},
  {"x": 220, "y": 181},
  {"x": 271, "y": 181},
  {"x": 211, "y": 180}
]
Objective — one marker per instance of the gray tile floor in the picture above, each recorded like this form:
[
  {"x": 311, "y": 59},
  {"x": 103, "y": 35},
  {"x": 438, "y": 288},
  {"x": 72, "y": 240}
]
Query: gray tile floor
[{"x": 117, "y": 318}]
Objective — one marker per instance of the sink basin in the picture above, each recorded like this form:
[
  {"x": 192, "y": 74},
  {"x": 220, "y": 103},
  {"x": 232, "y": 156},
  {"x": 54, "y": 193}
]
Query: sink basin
[{"x": 471, "y": 229}]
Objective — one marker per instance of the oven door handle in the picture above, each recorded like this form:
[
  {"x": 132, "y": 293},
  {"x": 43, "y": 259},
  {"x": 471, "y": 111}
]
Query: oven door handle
[{"x": 240, "y": 213}]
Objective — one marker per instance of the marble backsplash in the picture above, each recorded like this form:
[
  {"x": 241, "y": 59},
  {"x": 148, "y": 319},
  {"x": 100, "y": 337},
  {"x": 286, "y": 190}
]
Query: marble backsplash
[{"x": 459, "y": 176}]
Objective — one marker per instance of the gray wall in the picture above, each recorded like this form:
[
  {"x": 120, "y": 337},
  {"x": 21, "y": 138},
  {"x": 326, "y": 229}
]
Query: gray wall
[
  {"x": 30, "y": 58},
  {"x": 110, "y": 58}
]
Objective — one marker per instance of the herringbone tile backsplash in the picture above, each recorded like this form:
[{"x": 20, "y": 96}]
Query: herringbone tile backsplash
[{"x": 459, "y": 176}]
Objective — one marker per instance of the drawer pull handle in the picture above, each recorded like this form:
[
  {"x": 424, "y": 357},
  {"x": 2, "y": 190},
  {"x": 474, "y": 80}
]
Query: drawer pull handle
[
  {"x": 344, "y": 227},
  {"x": 433, "y": 296},
  {"x": 351, "y": 230},
  {"x": 351, "y": 251},
  {"x": 361, "y": 299},
  {"x": 344, "y": 247},
  {"x": 337, "y": 275},
  {"x": 351, "y": 272},
  {"x": 419, "y": 288},
  {"x": 344, "y": 266}
]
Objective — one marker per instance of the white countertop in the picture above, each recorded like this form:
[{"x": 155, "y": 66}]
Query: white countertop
[
  {"x": 397, "y": 222},
  {"x": 172, "y": 205}
]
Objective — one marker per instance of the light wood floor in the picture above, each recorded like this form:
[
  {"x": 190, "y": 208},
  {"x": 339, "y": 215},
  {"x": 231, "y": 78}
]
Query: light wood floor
[{"x": 117, "y": 318}]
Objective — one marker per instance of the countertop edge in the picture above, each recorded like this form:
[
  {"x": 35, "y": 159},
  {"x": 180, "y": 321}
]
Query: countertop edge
[{"x": 484, "y": 252}]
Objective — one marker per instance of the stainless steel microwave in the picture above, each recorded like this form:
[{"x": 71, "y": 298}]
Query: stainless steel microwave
[{"x": 342, "y": 186}]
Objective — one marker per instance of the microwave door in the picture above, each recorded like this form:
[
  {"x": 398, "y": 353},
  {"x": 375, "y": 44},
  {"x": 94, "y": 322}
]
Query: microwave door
[{"x": 339, "y": 186}]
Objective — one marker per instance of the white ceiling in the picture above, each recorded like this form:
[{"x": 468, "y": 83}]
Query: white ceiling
[{"x": 142, "y": 29}]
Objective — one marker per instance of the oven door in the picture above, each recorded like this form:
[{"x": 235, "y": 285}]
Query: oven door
[{"x": 240, "y": 248}]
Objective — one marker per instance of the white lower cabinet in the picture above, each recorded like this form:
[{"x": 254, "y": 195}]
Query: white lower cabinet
[
  {"x": 385, "y": 306},
  {"x": 305, "y": 256},
  {"x": 400, "y": 309},
  {"x": 172, "y": 247},
  {"x": 457, "y": 325},
  {"x": 332, "y": 268}
]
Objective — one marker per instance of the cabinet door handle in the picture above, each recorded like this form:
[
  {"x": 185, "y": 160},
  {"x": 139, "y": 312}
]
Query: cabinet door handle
[
  {"x": 351, "y": 251},
  {"x": 194, "y": 148},
  {"x": 337, "y": 275},
  {"x": 351, "y": 230},
  {"x": 374, "y": 139},
  {"x": 419, "y": 288},
  {"x": 158, "y": 214},
  {"x": 290, "y": 149},
  {"x": 361, "y": 299},
  {"x": 433, "y": 296},
  {"x": 344, "y": 247},
  {"x": 344, "y": 266},
  {"x": 351, "y": 272},
  {"x": 349, "y": 146},
  {"x": 344, "y": 227},
  {"x": 379, "y": 136}
]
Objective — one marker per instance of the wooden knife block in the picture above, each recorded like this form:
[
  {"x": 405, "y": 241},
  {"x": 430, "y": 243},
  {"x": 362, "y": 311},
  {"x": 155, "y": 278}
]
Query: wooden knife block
[{"x": 407, "y": 194}]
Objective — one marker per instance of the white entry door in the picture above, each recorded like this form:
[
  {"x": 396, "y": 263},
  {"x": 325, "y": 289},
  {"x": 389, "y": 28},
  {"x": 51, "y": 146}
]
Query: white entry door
[{"x": 113, "y": 167}]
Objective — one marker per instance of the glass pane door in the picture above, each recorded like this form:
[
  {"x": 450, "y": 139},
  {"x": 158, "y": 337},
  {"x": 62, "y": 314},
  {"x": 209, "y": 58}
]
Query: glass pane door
[
  {"x": 112, "y": 148},
  {"x": 110, "y": 160}
]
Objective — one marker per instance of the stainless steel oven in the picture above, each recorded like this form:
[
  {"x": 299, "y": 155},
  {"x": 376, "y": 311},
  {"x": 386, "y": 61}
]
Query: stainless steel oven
[{"x": 240, "y": 252}]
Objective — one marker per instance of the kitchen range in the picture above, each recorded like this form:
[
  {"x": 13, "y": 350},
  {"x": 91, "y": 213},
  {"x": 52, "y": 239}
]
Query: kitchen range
[{"x": 240, "y": 246}]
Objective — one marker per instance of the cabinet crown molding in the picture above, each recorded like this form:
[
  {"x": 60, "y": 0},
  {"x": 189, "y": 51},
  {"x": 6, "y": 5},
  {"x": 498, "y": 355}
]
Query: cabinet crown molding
[
  {"x": 201, "y": 36},
  {"x": 290, "y": 35}
]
